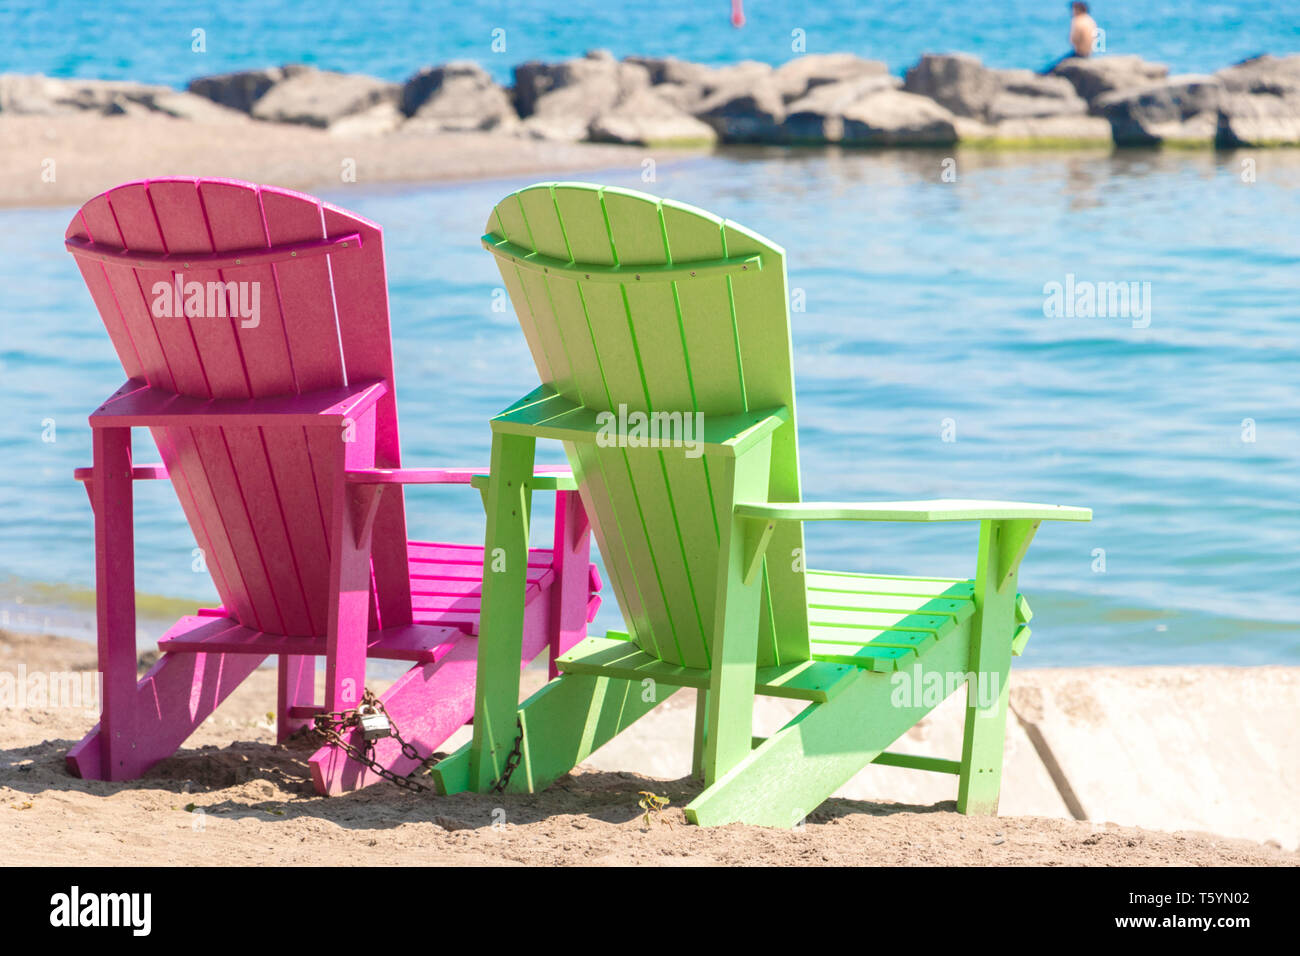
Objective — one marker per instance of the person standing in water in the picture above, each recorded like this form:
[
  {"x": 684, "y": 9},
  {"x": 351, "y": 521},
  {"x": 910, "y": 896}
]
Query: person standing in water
[{"x": 1083, "y": 34}]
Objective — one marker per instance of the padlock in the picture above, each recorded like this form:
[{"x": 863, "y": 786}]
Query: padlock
[{"x": 374, "y": 724}]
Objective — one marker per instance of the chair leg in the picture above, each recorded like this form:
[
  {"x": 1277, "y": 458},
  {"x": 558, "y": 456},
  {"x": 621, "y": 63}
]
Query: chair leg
[
  {"x": 571, "y": 587},
  {"x": 297, "y": 688},
  {"x": 734, "y": 642},
  {"x": 982, "y": 742},
  {"x": 111, "y": 498},
  {"x": 701, "y": 731},
  {"x": 992, "y": 629},
  {"x": 501, "y": 627},
  {"x": 170, "y": 702}
]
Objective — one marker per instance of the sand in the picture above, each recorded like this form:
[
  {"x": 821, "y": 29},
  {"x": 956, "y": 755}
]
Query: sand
[
  {"x": 250, "y": 801},
  {"x": 65, "y": 160}
]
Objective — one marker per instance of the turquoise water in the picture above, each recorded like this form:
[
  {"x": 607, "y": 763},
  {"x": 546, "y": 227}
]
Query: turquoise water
[
  {"x": 923, "y": 301},
  {"x": 147, "y": 41}
]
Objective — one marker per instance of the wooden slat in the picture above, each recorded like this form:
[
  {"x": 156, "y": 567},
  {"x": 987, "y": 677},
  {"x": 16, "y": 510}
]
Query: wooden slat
[
  {"x": 882, "y": 584},
  {"x": 623, "y": 660},
  {"x": 420, "y": 642},
  {"x": 361, "y": 300}
]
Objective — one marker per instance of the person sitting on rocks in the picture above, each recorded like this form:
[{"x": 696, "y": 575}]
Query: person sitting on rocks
[{"x": 1083, "y": 34}]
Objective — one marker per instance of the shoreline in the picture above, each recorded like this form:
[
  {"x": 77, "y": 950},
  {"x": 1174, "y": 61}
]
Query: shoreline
[
  {"x": 1171, "y": 766},
  {"x": 65, "y": 140},
  {"x": 149, "y": 147}
]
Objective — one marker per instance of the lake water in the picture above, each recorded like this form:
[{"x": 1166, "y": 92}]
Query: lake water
[
  {"x": 923, "y": 319},
  {"x": 148, "y": 41}
]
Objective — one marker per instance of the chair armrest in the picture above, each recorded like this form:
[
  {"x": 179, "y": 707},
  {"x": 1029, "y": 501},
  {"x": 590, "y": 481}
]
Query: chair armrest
[
  {"x": 138, "y": 473},
  {"x": 136, "y": 404},
  {"x": 556, "y": 474},
  {"x": 1019, "y": 520},
  {"x": 544, "y": 413},
  {"x": 939, "y": 510}
]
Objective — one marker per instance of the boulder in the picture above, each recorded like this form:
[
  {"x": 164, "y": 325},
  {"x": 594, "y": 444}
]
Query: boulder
[
  {"x": 745, "y": 106},
  {"x": 1026, "y": 95},
  {"x": 818, "y": 116},
  {"x": 196, "y": 109},
  {"x": 689, "y": 94},
  {"x": 1276, "y": 75},
  {"x": 48, "y": 96},
  {"x": 598, "y": 72},
  {"x": 645, "y": 119},
  {"x": 560, "y": 101},
  {"x": 797, "y": 77},
  {"x": 28, "y": 95},
  {"x": 321, "y": 98},
  {"x": 457, "y": 97},
  {"x": 668, "y": 69},
  {"x": 896, "y": 118},
  {"x": 971, "y": 90},
  {"x": 1093, "y": 77},
  {"x": 956, "y": 81},
  {"x": 1181, "y": 109},
  {"x": 240, "y": 90},
  {"x": 1258, "y": 119},
  {"x": 383, "y": 117}
]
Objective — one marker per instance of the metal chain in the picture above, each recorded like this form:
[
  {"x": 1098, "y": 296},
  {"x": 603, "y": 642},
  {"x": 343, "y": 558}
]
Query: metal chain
[
  {"x": 330, "y": 724},
  {"x": 512, "y": 761}
]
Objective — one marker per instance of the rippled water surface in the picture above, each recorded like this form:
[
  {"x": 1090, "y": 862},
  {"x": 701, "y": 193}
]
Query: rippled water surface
[{"x": 152, "y": 42}]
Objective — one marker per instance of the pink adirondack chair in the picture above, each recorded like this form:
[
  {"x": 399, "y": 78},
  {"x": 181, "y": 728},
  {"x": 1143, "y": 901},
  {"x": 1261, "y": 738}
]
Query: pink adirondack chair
[{"x": 279, "y": 434}]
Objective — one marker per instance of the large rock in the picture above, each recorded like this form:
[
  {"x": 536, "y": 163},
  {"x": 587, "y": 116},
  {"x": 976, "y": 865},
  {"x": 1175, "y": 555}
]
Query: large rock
[
  {"x": 240, "y": 90},
  {"x": 689, "y": 91},
  {"x": 1258, "y": 119},
  {"x": 323, "y": 98},
  {"x": 669, "y": 69},
  {"x": 1261, "y": 102},
  {"x": 28, "y": 95},
  {"x": 48, "y": 96},
  {"x": 896, "y": 118},
  {"x": 797, "y": 77},
  {"x": 559, "y": 101},
  {"x": 1026, "y": 95},
  {"x": 744, "y": 107},
  {"x": 972, "y": 91},
  {"x": 1275, "y": 75},
  {"x": 1093, "y": 77},
  {"x": 457, "y": 97},
  {"x": 645, "y": 119},
  {"x": 598, "y": 69},
  {"x": 957, "y": 81},
  {"x": 818, "y": 116},
  {"x": 1179, "y": 110}
]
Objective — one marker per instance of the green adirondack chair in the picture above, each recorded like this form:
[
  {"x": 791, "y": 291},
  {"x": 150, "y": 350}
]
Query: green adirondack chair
[{"x": 634, "y": 304}]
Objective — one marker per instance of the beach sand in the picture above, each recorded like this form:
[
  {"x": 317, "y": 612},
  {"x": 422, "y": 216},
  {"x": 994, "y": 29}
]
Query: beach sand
[
  {"x": 252, "y": 801},
  {"x": 90, "y": 153}
]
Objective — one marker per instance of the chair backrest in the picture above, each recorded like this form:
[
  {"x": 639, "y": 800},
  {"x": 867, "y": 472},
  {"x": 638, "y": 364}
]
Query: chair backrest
[
  {"x": 310, "y": 312},
  {"x": 716, "y": 343}
]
